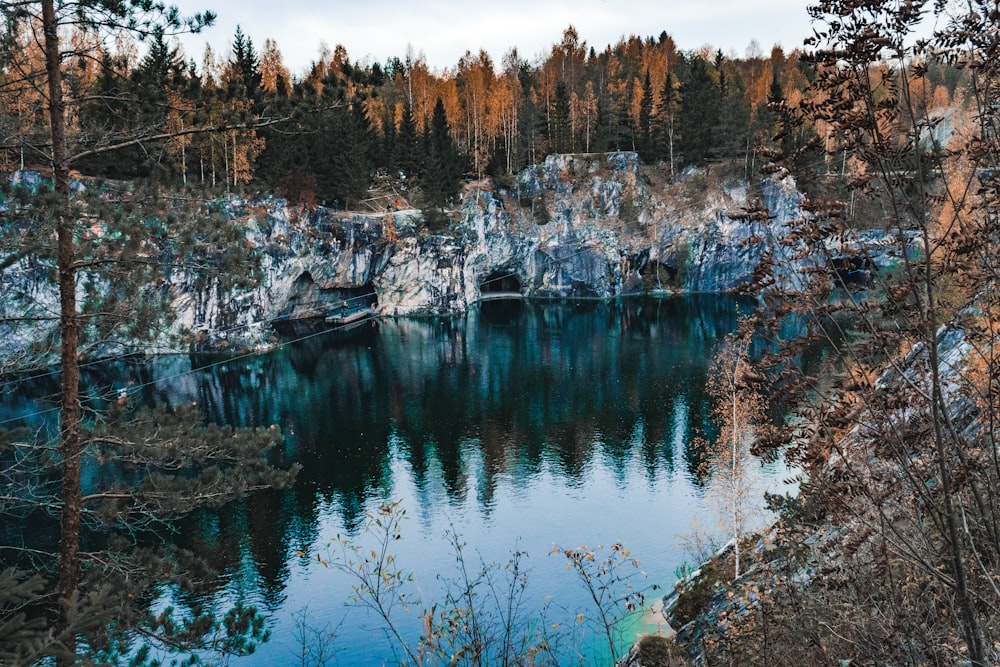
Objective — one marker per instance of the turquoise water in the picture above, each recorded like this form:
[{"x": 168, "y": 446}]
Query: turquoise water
[{"x": 519, "y": 426}]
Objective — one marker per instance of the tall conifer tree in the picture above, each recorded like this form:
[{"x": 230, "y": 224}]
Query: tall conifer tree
[
  {"x": 102, "y": 280},
  {"x": 443, "y": 174},
  {"x": 560, "y": 130},
  {"x": 699, "y": 112},
  {"x": 409, "y": 158},
  {"x": 645, "y": 143}
]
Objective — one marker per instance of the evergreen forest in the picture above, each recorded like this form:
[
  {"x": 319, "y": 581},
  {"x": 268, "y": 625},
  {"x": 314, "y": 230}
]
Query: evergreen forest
[{"x": 345, "y": 126}]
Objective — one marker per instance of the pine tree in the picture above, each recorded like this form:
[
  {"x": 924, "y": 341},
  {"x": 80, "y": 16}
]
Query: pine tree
[
  {"x": 384, "y": 156},
  {"x": 443, "y": 174},
  {"x": 342, "y": 156},
  {"x": 765, "y": 124},
  {"x": 645, "y": 142},
  {"x": 531, "y": 131},
  {"x": 776, "y": 118},
  {"x": 560, "y": 131},
  {"x": 604, "y": 131},
  {"x": 246, "y": 65},
  {"x": 731, "y": 134},
  {"x": 100, "y": 119},
  {"x": 409, "y": 158},
  {"x": 155, "y": 85},
  {"x": 285, "y": 156},
  {"x": 622, "y": 128},
  {"x": 699, "y": 112},
  {"x": 102, "y": 281}
]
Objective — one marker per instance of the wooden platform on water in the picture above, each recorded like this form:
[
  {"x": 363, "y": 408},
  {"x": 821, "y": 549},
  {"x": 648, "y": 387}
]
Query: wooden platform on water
[
  {"x": 497, "y": 296},
  {"x": 351, "y": 317}
]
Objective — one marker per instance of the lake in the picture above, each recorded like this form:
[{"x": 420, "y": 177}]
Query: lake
[{"x": 519, "y": 426}]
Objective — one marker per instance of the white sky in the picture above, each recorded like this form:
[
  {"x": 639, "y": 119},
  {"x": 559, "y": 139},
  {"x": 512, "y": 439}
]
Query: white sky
[{"x": 444, "y": 29}]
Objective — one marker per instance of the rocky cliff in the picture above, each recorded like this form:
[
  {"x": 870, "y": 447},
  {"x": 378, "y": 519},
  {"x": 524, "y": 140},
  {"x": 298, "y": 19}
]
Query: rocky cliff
[{"x": 575, "y": 226}]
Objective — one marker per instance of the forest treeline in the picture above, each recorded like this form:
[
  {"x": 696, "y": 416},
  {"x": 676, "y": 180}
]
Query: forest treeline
[{"x": 328, "y": 135}]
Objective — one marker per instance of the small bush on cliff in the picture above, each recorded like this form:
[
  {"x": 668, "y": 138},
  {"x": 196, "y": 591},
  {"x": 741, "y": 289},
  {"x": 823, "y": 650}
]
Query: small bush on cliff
[
  {"x": 695, "y": 184},
  {"x": 504, "y": 182},
  {"x": 694, "y": 597},
  {"x": 436, "y": 220},
  {"x": 628, "y": 210},
  {"x": 540, "y": 210},
  {"x": 656, "y": 651}
]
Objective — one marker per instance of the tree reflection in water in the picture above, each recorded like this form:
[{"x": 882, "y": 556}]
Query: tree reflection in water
[{"x": 467, "y": 419}]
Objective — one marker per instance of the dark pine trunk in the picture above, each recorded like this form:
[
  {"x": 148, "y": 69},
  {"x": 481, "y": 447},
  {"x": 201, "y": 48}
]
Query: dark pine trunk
[{"x": 69, "y": 537}]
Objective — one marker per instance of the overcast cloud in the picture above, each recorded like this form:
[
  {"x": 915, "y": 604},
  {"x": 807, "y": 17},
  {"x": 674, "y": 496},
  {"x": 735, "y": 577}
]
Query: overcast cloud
[{"x": 445, "y": 29}]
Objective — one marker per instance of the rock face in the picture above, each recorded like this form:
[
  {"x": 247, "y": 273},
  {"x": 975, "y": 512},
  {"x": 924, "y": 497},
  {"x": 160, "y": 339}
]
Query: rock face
[
  {"x": 590, "y": 226},
  {"x": 575, "y": 226}
]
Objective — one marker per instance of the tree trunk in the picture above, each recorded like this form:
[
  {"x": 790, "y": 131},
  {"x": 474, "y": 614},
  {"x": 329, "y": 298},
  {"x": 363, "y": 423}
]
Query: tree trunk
[
  {"x": 69, "y": 535},
  {"x": 184, "y": 172},
  {"x": 735, "y": 478},
  {"x": 969, "y": 616}
]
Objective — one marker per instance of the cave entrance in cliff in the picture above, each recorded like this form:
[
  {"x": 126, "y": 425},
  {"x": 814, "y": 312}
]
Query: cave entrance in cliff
[
  {"x": 303, "y": 299},
  {"x": 311, "y": 306},
  {"x": 309, "y": 298},
  {"x": 304, "y": 309},
  {"x": 500, "y": 285},
  {"x": 658, "y": 276}
]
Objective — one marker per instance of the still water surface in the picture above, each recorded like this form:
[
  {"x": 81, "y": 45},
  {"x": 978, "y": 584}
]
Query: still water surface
[{"x": 518, "y": 426}]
